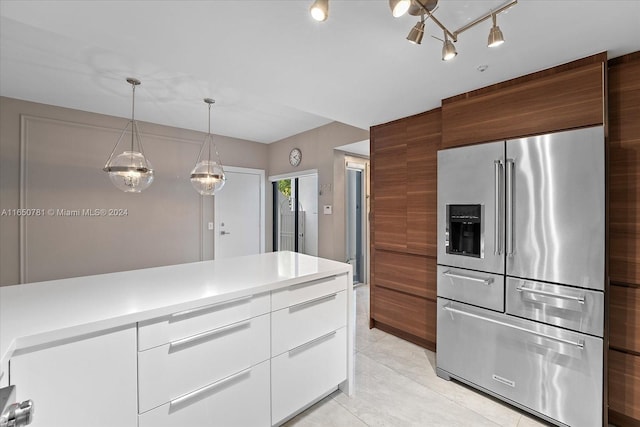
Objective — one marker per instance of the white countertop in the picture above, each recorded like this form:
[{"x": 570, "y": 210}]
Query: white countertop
[{"x": 36, "y": 314}]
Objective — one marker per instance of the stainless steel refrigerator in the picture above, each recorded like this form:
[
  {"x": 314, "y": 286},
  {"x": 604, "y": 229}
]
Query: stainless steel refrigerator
[{"x": 521, "y": 272}]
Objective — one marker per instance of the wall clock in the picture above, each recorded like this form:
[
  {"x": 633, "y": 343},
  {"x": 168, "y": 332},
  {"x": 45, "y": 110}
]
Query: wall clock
[{"x": 295, "y": 157}]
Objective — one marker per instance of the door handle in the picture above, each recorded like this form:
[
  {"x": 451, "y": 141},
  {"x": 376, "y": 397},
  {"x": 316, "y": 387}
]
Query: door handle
[
  {"x": 509, "y": 202},
  {"x": 497, "y": 244},
  {"x": 223, "y": 233}
]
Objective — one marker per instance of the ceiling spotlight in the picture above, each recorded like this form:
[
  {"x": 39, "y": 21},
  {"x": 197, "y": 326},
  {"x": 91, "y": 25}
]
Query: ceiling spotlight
[
  {"x": 399, "y": 7},
  {"x": 495, "y": 35},
  {"x": 416, "y": 33},
  {"x": 320, "y": 10},
  {"x": 448, "y": 49}
]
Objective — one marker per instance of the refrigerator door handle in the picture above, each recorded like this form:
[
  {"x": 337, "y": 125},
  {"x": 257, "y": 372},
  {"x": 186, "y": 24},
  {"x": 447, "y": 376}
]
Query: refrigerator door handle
[
  {"x": 509, "y": 202},
  {"x": 579, "y": 344},
  {"x": 497, "y": 244}
]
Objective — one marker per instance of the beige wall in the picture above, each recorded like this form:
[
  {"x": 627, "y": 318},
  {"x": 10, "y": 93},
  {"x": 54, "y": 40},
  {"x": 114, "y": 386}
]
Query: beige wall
[
  {"x": 318, "y": 152},
  {"x": 63, "y": 152}
]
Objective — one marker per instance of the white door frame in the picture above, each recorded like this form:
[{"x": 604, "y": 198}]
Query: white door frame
[
  {"x": 362, "y": 165},
  {"x": 261, "y": 174}
]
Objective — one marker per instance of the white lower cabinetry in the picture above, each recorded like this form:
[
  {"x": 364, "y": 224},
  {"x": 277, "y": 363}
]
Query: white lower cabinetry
[
  {"x": 241, "y": 400},
  {"x": 251, "y": 361},
  {"x": 302, "y": 375},
  {"x": 187, "y": 364},
  {"x": 90, "y": 381}
]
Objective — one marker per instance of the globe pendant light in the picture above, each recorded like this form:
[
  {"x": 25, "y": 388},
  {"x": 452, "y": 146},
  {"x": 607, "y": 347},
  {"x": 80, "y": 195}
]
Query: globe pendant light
[
  {"x": 130, "y": 171},
  {"x": 207, "y": 177}
]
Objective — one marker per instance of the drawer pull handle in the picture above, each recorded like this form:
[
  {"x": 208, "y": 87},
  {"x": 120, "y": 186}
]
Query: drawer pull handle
[
  {"x": 312, "y": 301},
  {"x": 313, "y": 282},
  {"x": 311, "y": 343},
  {"x": 214, "y": 332},
  {"x": 206, "y": 307},
  {"x": 205, "y": 389},
  {"x": 487, "y": 281},
  {"x": 579, "y": 299},
  {"x": 579, "y": 344}
]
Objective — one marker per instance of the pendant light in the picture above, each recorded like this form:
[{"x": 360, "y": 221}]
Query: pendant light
[
  {"x": 130, "y": 171},
  {"x": 417, "y": 32},
  {"x": 207, "y": 177}
]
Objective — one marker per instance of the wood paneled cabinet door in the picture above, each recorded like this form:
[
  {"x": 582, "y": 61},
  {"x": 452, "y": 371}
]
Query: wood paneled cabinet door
[{"x": 389, "y": 186}]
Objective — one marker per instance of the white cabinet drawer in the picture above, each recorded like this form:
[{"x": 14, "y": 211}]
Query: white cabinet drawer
[
  {"x": 241, "y": 400},
  {"x": 301, "y": 376},
  {"x": 306, "y": 291},
  {"x": 301, "y": 323},
  {"x": 172, "y": 370},
  {"x": 169, "y": 328}
]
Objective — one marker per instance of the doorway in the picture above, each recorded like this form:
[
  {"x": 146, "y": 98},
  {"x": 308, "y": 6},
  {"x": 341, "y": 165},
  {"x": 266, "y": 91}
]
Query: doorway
[
  {"x": 295, "y": 213},
  {"x": 356, "y": 220}
]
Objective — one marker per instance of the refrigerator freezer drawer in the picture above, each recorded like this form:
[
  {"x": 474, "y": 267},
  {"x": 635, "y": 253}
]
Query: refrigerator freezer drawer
[
  {"x": 572, "y": 308},
  {"x": 473, "y": 287},
  {"x": 548, "y": 370}
]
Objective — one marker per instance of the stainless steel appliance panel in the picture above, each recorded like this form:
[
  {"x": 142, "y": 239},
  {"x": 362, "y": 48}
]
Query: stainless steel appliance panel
[
  {"x": 572, "y": 308},
  {"x": 557, "y": 185},
  {"x": 546, "y": 369},
  {"x": 473, "y": 176},
  {"x": 473, "y": 287}
]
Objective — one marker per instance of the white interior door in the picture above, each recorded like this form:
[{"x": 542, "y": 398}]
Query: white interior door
[{"x": 239, "y": 214}]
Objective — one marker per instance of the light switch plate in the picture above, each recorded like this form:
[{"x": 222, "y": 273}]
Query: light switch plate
[{"x": 328, "y": 209}]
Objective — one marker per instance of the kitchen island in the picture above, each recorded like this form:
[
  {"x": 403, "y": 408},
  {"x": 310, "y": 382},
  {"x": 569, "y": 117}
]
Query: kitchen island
[{"x": 243, "y": 341}]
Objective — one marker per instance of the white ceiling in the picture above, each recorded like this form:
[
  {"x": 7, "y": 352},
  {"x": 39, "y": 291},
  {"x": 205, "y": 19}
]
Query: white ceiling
[{"x": 275, "y": 72}]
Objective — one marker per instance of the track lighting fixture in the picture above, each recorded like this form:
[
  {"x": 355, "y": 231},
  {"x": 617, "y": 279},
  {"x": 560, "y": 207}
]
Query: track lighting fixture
[
  {"x": 448, "y": 49},
  {"x": 320, "y": 10},
  {"x": 399, "y": 7},
  {"x": 425, "y": 9},
  {"x": 130, "y": 171},
  {"x": 417, "y": 32},
  {"x": 495, "y": 35},
  {"x": 208, "y": 177}
]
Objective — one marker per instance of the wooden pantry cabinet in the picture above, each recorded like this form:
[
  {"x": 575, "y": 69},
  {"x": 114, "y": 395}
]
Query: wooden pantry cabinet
[
  {"x": 403, "y": 226},
  {"x": 624, "y": 240}
]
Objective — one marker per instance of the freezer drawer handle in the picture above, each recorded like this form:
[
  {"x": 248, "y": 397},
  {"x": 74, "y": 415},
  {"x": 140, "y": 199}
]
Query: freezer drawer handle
[
  {"x": 579, "y": 344},
  {"x": 206, "y": 307},
  {"x": 579, "y": 299},
  {"x": 486, "y": 281},
  {"x": 214, "y": 332},
  {"x": 205, "y": 389}
]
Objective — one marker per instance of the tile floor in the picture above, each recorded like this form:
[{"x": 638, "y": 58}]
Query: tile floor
[{"x": 396, "y": 386}]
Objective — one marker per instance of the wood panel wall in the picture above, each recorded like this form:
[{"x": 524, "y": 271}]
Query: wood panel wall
[
  {"x": 566, "y": 97},
  {"x": 624, "y": 240},
  {"x": 403, "y": 226}
]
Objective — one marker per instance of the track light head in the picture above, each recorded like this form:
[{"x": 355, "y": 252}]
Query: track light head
[
  {"x": 417, "y": 32},
  {"x": 320, "y": 10},
  {"x": 495, "y": 35},
  {"x": 399, "y": 7},
  {"x": 448, "y": 49}
]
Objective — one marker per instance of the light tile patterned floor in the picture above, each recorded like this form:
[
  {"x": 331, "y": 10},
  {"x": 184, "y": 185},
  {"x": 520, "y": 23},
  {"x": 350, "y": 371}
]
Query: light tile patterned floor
[{"x": 396, "y": 386}]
